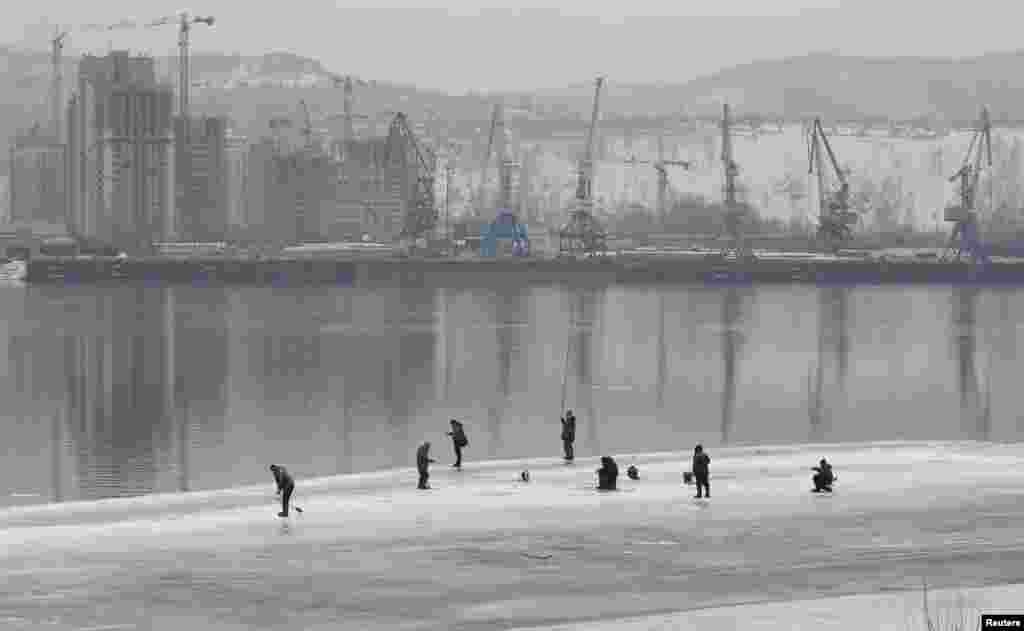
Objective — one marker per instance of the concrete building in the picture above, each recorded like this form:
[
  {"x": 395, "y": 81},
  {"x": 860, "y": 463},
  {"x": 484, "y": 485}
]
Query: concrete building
[
  {"x": 237, "y": 155},
  {"x": 203, "y": 186},
  {"x": 119, "y": 153},
  {"x": 36, "y": 177}
]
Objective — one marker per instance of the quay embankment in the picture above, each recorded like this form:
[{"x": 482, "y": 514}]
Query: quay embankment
[{"x": 622, "y": 269}]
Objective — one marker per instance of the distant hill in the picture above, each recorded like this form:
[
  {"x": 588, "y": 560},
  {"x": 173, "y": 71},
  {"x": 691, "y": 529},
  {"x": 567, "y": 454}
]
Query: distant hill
[{"x": 253, "y": 89}]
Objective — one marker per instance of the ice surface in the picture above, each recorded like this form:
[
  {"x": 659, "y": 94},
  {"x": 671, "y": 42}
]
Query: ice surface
[{"x": 371, "y": 551}]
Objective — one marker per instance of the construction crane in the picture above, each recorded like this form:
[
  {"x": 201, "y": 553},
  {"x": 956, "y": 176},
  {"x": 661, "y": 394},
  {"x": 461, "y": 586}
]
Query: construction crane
[
  {"x": 582, "y": 234},
  {"x": 422, "y": 215},
  {"x": 661, "y": 167},
  {"x": 834, "y": 214},
  {"x": 184, "y": 20},
  {"x": 964, "y": 216}
]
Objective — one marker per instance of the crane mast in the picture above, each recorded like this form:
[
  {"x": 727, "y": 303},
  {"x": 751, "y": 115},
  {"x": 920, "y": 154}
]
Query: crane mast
[
  {"x": 964, "y": 217},
  {"x": 582, "y": 234},
  {"x": 485, "y": 165},
  {"x": 734, "y": 214}
]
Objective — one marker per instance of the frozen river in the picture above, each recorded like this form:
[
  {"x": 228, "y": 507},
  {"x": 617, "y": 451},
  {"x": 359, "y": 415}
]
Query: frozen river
[{"x": 483, "y": 551}]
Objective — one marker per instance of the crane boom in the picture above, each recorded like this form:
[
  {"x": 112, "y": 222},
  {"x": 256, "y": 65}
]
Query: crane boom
[
  {"x": 486, "y": 163},
  {"x": 586, "y": 173},
  {"x": 307, "y": 124},
  {"x": 834, "y": 215}
]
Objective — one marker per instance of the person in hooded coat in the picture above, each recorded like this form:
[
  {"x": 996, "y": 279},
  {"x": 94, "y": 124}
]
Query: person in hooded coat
[
  {"x": 608, "y": 474},
  {"x": 285, "y": 487},
  {"x": 423, "y": 462},
  {"x": 700, "y": 471},
  {"x": 568, "y": 434},
  {"x": 459, "y": 441}
]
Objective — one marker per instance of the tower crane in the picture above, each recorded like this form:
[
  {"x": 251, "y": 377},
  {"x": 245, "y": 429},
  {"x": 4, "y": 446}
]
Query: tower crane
[
  {"x": 661, "y": 167},
  {"x": 582, "y": 234},
  {"x": 184, "y": 20},
  {"x": 834, "y": 214},
  {"x": 964, "y": 216}
]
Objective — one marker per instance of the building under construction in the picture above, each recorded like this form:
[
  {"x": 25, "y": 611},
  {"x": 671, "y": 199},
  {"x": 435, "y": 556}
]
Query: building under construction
[
  {"x": 119, "y": 146},
  {"x": 37, "y": 178}
]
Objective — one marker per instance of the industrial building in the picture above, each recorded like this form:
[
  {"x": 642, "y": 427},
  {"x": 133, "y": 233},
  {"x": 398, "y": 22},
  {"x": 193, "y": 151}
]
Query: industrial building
[
  {"x": 119, "y": 145},
  {"x": 36, "y": 178}
]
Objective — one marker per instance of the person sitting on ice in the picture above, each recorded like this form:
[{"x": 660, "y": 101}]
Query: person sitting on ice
[
  {"x": 632, "y": 473},
  {"x": 608, "y": 474},
  {"x": 823, "y": 477},
  {"x": 285, "y": 486}
]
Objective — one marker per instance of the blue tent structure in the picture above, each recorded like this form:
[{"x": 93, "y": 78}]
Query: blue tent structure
[{"x": 504, "y": 227}]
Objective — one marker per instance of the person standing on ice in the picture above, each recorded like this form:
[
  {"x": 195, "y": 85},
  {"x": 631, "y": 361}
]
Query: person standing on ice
[
  {"x": 700, "y": 471},
  {"x": 285, "y": 487},
  {"x": 423, "y": 461},
  {"x": 568, "y": 434},
  {"x": 459, "y": 441}
]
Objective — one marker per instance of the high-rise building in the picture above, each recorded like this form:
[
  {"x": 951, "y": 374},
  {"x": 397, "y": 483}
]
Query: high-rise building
[
  {"x": 119, "y": 169},
  {"x": 237, "y": 152},
  {"x": 202, "y": 194},
  {"x": 36, "y": 178}
]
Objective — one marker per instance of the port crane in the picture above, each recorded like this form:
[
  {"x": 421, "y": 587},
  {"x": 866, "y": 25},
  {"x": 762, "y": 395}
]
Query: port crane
[
  {"x": 735, "y": 213},
  {"x": 485, "y": 166},
  {"x": 307, "y": 124},
  {"x": 834, "y": 214},
  {"x": 347, "y": 82},
  {"x": 661, "y": 167},
  {"x": 582, "y": 234},
  {"x": 964, "y": 216},
  {"x": 401, "y": 142}
]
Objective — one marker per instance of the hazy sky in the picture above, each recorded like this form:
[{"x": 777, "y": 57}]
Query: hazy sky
[{"x": 486, "y": 45}]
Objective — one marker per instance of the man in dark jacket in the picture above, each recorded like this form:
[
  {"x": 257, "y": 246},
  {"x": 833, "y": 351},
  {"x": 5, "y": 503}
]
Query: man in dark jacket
[
  {"x": 423, "y": 461},
  {"x": 459, "y": 441},
  {"x": 568, "y": 434},
  {"x": 700, "y": 471},
  {"x": 608, "y": 474},
  {"x": 823, "y": 477},
  {"x": 285, "y": 486}
]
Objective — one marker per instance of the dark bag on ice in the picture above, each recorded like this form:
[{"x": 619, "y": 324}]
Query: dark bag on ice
[{"x": 687, "y": 477}]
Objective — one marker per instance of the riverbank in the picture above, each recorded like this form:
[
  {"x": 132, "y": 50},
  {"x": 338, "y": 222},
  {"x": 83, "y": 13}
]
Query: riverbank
[
  {"x": 484, "y": 551},
  {"x": 623, "y": 268}
]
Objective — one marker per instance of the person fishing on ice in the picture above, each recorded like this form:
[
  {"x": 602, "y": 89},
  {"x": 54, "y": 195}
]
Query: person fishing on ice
[
  {"x": 459, "y": 441},
  {"x": 285, "y": 487}
]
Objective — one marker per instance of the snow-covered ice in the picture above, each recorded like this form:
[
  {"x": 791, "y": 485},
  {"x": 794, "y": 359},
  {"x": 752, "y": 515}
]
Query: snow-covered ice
[{"x": 484, "y": 550}]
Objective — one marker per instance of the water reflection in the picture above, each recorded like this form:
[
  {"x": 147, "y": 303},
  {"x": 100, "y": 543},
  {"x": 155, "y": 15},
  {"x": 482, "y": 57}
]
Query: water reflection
[
  {"x": 732, "y": 320},
  {"x": 832, "y": 344},
  {"x": 975, "y": 410}
]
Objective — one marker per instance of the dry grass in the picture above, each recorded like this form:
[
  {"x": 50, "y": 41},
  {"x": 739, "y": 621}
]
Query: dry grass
[{"x": 958, "y": 615}]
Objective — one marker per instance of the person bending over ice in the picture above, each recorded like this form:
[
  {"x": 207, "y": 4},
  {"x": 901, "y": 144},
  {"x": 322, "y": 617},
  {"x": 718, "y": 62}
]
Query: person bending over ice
[
  {"x": 823, "y": 477},
  {"x": 608, "y": 474},
  {"x": 285, "y": 486}
]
